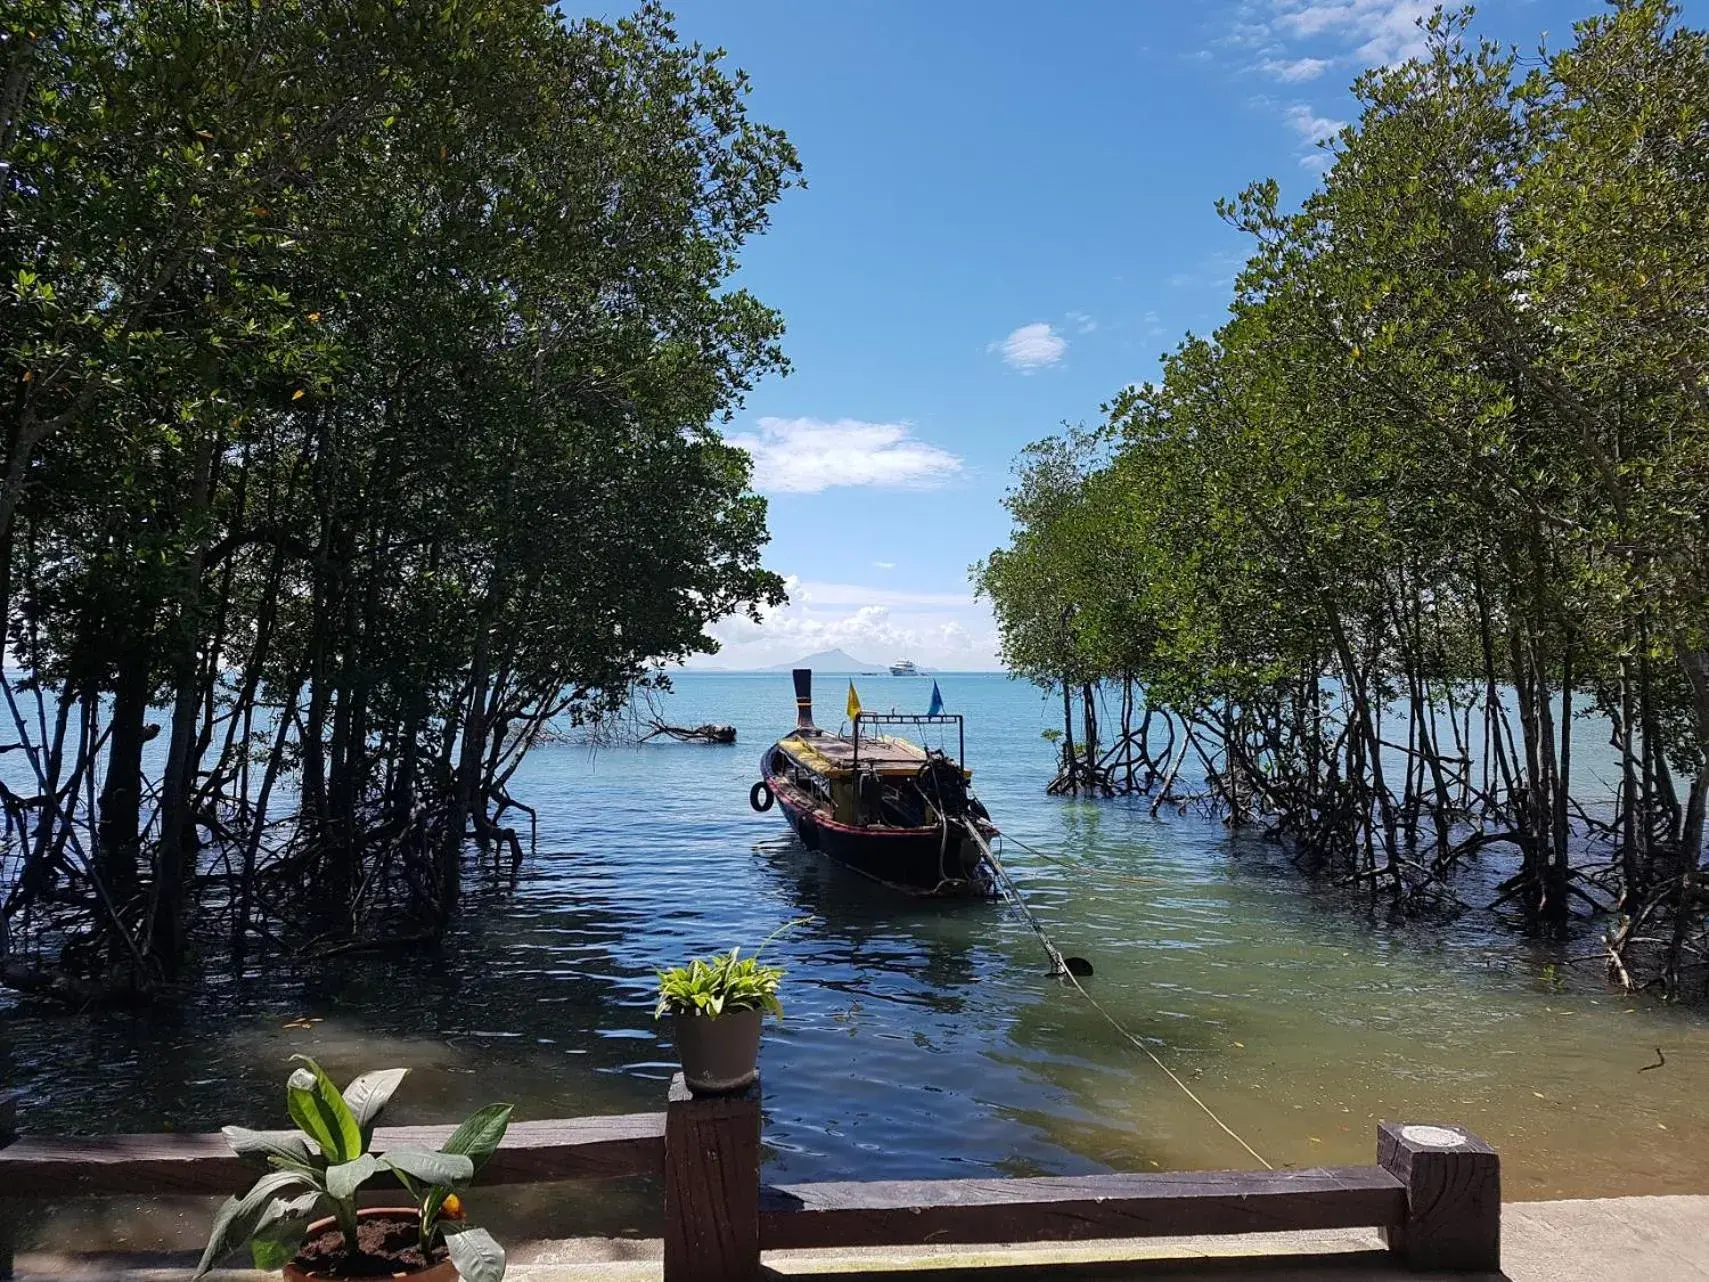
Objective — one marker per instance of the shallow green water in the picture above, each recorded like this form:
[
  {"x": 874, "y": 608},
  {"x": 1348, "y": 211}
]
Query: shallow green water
[{"x": 924, "y": 1039}]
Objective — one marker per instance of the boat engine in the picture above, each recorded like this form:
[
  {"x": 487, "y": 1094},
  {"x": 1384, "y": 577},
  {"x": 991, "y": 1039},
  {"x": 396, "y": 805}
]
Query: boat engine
[{"x": 942, "y": 783}]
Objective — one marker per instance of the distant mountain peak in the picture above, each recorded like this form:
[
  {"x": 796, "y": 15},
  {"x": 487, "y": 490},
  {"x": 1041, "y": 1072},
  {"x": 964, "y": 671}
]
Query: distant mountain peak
[{"x": 832, "y": 661}]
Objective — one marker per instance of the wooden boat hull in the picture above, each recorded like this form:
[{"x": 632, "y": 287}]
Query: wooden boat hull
[
  {"x": 886, "y": 807},
  {"x": 921, "y": 861}
]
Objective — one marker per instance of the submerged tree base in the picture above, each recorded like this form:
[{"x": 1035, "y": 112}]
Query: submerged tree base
[
  {"x": 343, "y": 384},
  {"x": 1430, "y": 496}
]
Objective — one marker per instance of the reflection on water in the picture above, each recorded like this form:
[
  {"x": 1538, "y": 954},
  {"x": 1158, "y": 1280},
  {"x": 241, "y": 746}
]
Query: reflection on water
[{"x": 923, "y": 1039}]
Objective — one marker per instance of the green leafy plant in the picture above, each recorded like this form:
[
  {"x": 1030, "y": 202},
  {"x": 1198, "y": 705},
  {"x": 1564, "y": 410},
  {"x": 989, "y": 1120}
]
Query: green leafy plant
[
  {"x": 724, "y": 981},
  {"x": 317, "y": 1170},
  {"x": 711, "y": 986}
]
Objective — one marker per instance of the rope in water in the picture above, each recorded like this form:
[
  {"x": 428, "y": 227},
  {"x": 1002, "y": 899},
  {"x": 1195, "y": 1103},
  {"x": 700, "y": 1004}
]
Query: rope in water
[
  {"x": 1060, "y": 967},
  {"x": 1057, "y": 964},
  {"x": 1073, "y": 866},
  {"x": 1188, "y": 1090}
]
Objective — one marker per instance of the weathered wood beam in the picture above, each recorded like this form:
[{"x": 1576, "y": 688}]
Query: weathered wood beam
[
  {"x": 8, "y": 1223},
  {"x": 1436, "y": 1191},
  {"x": 562, "y": 1149},
  {"x": 712, "y": 1186},
  {"x": 1063, "y": 1209},
  {"x": 1453, "y": 1197}
]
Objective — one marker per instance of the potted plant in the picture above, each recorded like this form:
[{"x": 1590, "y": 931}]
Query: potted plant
[
  {"x": 718, "y": 1003},
  {"x": 302, "y": 1215}
]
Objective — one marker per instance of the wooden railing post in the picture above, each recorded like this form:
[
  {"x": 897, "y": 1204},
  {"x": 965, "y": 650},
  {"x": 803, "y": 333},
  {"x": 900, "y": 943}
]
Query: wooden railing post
[
  {"x": 1453, "y": 1197},
  {"x": 8, "y": 1223},
  {"x": 712, "y": 1185}
]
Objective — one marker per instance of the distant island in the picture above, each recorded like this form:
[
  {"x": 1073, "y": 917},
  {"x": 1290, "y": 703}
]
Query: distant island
[
  {"x": 828, "y": 661},
  {"x": 832, "y": 661}
]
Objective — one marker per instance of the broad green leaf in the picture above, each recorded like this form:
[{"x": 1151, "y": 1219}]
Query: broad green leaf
[
  {"x": 367, "y": 1096},
  {"x": 345, "y": 1178},
  {"x": 273, "y": 1250},
  {"x": 280, "y": 1232},
  {"x": 318, "y": 1108},
  {"x": 224, "y": 1237},
  {"x": 433, "y": 1168},
  {"x": 280, "y": 1209},
  {"x": 237, "y": 1218},
  {"x": 288, "y": 1146},
  {"x": 477, "y": 1256},
  {"x": 480, "y": 1133}
]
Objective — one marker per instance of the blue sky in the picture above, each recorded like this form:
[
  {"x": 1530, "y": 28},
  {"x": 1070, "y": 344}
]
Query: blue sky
[{"x": 1008, "y": 217}]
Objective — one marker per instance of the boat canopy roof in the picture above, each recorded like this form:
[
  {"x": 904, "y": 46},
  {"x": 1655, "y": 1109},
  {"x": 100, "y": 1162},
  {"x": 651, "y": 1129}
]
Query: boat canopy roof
[{"x": 830, "y": 754}]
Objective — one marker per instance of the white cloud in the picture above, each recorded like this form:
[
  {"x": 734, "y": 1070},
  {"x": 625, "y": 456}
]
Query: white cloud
[
  {"x": 1216, "y": 269},
  {"x": 1372, "y": 31},
  {"x": 1032, "y": 347},
  {"x": 807, "y": 455},
  {"x": 1249, "y": 35},
  {"x": 1310, "y": 126},
  {"x": 812, "y": 592},
  {"x": 1295, "y": 41},
  {"x": 884, "y": 565},
  {"x": 1083, "y": 324},
  {"x": 1313, "y": 129},
  {"x": 873, "y": 631},
  {"x": 1295, "y": 70}
]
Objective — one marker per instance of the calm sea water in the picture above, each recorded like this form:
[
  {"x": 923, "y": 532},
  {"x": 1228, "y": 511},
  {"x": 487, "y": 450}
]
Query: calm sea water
[{"x": 922, "y": 1039}]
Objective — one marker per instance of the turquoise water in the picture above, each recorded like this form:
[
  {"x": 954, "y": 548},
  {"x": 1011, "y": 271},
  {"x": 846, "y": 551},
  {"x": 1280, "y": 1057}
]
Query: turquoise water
[{"x": 924, "y": 1039}]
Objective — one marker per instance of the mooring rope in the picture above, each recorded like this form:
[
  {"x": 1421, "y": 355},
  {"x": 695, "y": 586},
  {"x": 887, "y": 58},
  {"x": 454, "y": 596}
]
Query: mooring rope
[
  {"x": 1059, "y": 966},
  {"x": 1073, "y": 866},
  {"x": 1152, "y": 1055}
]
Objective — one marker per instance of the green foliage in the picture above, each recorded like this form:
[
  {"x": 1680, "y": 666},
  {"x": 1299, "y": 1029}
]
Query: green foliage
[
  {"x": 725, "y": 981},
  {"x": 1445, "y": 466},
  {"x": 319, "y": 1171},
  {"x": 321, "y": 1113},
  {"x": 365, "y": 364}
]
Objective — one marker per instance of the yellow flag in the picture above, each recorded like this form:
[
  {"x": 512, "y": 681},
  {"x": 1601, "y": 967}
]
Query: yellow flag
[{"x": 854, "y": 702}]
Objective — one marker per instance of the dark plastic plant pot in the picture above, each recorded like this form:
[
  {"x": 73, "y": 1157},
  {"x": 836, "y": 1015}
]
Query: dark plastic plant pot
[
  {"x": 720, "y": 1053},
  {"x": 444, "y": 1271}
]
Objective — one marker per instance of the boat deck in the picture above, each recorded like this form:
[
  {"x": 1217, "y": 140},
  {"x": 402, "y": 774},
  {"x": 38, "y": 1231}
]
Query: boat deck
[{"x": 835, "y": 753}]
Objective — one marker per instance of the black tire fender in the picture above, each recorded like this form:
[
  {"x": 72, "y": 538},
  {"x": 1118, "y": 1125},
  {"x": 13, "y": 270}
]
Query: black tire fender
[{"x": 760, "y": 796}]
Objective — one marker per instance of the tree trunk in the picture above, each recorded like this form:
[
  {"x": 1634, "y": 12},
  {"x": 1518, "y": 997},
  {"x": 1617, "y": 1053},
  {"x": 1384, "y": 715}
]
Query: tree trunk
[
  {"x": 175, "y": 858},
  {"x": 118, "y": 842}
]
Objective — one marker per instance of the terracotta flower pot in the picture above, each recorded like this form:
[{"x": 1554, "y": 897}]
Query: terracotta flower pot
[
  {"x": 444, "y": 1271},
  {"x": 720, "y": 1053}
]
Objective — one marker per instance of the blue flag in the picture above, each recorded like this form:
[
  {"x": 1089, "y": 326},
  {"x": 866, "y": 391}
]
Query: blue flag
[{"x": 937, "y": 702}]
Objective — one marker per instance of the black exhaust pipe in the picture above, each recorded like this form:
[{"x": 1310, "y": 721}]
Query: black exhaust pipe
[{"x": 804, "y": 699}]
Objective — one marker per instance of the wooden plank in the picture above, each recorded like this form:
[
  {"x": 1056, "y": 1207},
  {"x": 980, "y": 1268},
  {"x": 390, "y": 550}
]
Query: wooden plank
[
  {"x": 560, "y": 1149},
  {"x": 1453, "y": 1197},
  {"x": 8, "y": 1223},
  {"x": 1065, "y": 1209},
  {"x": 712, "y": 1186}
]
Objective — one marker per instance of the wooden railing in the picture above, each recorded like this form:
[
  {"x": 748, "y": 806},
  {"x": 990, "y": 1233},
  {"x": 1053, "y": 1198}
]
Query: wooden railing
[{"x": 1435, "y": 1190}]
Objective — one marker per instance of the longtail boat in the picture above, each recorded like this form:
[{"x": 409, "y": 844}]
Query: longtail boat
[{"x": 900, "y": 813}]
